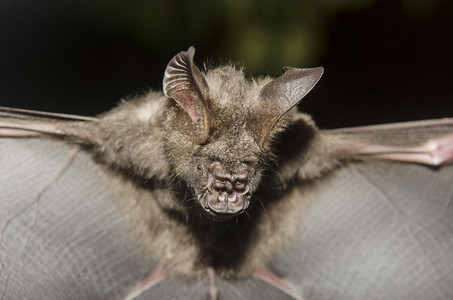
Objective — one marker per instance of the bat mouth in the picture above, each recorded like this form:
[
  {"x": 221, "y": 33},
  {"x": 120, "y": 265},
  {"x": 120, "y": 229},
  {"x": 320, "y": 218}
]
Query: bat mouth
[
  {"x": 224, "y": 204},
  {"x": 225, "y": 192}
]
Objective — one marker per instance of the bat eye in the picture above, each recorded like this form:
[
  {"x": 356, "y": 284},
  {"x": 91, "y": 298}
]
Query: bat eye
[{"x": 199, "y": 167}]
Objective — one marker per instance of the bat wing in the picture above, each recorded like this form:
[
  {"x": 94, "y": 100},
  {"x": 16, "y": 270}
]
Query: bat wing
[
  {"x": 62, "y": 234},
  {"x": 377, "y": 229},
  {"x": 64, "y": 231},
  {"x": 426, "y": 142},
  {"x": 244, "y": 288},
  {"x": 16, "y": 122}
]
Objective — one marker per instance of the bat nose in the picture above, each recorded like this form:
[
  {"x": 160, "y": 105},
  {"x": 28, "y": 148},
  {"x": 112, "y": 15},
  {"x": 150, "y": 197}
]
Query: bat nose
[
  {"x": 230, "y": 183},
  {"x": 221, "y": 186}
]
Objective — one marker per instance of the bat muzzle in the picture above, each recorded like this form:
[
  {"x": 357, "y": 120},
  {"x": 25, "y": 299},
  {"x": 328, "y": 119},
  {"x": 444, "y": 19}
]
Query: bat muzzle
[{"x": 226, "y": 192}]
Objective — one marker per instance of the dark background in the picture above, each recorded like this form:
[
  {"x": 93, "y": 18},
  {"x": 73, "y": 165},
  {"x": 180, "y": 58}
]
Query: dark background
[{"x": 385, "y": 60}]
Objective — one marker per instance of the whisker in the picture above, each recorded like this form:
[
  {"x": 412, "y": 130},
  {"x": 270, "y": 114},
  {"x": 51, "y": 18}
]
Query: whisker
[
  {"x": 190, "y": 201},
  {"x": 262, "y": 203},
  {"x": 248, "y": 215},
  {"x": 274, "y": 170},
  {"x": 236, "y": 221}
]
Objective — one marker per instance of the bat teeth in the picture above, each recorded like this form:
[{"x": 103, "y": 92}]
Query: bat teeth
[
  {"x": 232, "y": 197},
  {"x": 222, "y": 197}
]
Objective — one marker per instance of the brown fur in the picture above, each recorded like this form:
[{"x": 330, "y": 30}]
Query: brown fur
[{"x": 155, "y": 143}]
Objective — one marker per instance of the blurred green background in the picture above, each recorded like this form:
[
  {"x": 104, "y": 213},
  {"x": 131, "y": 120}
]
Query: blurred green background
[{"x": 385, "y": 60}]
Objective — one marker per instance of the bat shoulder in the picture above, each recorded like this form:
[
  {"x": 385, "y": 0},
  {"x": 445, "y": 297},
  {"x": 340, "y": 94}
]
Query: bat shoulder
[
  {"x": 130, "y": 137},
  {"x": 145, "y": 109},
  {"x": 302, "y": 153}
]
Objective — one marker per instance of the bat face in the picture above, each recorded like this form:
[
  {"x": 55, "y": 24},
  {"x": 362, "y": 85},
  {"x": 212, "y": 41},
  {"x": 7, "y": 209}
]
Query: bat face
[
  {"x": 219, "y": 127},
  {"x": 225, "y": 171}
]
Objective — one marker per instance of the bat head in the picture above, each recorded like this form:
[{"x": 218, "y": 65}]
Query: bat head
[{"x": 219, "y": 128}]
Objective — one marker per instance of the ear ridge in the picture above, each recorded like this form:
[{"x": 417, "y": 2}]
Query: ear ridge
[
  {"x": 287, "y": 91},
  {"x": 184, "y": 83}
]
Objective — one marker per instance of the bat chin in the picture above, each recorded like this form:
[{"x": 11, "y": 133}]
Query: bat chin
[
  {"x": 223, "y": 205},
  {"x": 215, "y": 216}
]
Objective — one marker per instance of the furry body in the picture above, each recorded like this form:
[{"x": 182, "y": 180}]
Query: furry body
[{"x": 139, "y": 138}]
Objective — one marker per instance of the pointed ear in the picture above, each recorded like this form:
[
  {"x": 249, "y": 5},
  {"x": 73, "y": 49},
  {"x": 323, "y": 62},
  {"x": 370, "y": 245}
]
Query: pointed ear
[
  {"x": 184, "y": 83},
  {"x": 285, "y": 92}
]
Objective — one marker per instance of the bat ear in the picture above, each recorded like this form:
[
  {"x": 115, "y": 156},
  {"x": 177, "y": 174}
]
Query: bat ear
[
  {"x": 285, "y": 92},
  {"x": 184, "y": 83}
]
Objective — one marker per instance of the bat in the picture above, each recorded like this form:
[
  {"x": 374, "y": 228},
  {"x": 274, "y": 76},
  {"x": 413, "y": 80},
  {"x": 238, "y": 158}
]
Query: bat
[{"x": 219, "y": 188}]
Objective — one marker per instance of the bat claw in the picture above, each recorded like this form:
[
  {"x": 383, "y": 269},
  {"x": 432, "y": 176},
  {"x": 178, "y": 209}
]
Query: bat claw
[{"x": 441, "y": 149}]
